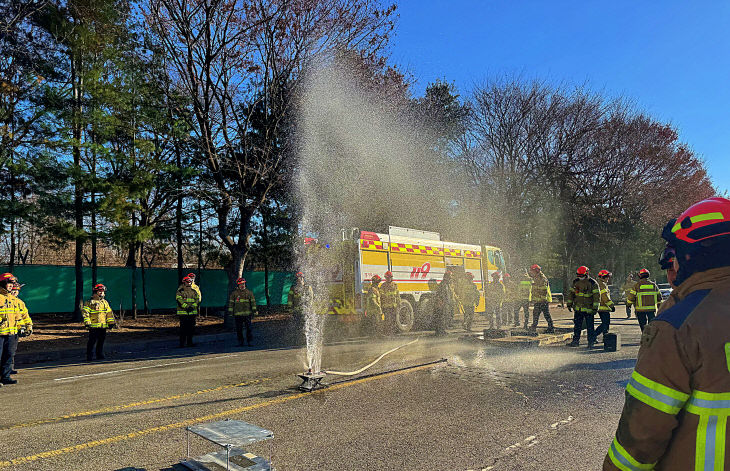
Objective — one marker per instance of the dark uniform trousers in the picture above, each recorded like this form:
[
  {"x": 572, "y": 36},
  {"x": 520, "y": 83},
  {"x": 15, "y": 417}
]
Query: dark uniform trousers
[
  {"x": 8, "y": 346},
  {"x": 589, "y": 318},
  {"x": 524, "y": 305},
  {"x": 187, "y": 329},
  {"x": 96, "y": 337},
  {"x": 605, "y": 322},
  {"x": 242, "y": 321},
  {"x": 541, "y": 307},
  {"x": 644, "y": 317}
]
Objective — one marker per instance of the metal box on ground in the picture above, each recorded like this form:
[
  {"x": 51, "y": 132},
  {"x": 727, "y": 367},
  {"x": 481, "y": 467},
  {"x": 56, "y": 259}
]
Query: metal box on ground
[
  {"x": 611, "y": 342},
  {"x": 230, "y": 435}
]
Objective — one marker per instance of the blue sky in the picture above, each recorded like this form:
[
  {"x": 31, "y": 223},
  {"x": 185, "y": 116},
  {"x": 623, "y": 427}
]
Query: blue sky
[{"x": 670, "y": 57}]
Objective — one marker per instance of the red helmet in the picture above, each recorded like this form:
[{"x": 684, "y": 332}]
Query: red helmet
[
  {"x": 470, "y": 275},
  {"x": 644, "y": 273},
  {"x": 506, "y": 275},
  {"x": 582, "y": 271},
  {"x": 187, "y": 278},
  {"x": 389, "y": 274},
  {"x": 536, "y": 267},
  {"x": 191, "y": 276},
  {"x": 7, "y": 276},
  {"x": 495, "y": 275},
  {"x": 704, "y": 220},
  {"x": 375, "y": 278},
  {"x": 99, "y": 287},
  {"x": 240, "y": 281},
  {"x": 299, "y": 275},
  {"x": 604, "y": 273}
]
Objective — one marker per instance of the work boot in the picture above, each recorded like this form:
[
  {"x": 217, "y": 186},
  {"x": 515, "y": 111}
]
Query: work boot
[
  {"x": 574, "y": 343},
  {"x": 8, "y": 381},
  {"x": 550, "y": 330}
]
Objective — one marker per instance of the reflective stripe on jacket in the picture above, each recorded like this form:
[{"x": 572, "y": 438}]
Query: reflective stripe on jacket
[
  {"x": 584, "y": 295},
  {"x": 97, "y": 313},
  {"x": 187, "y": 301},
  {"x": 389, "y": 296},
  {"x": 524, "y": 291},
  {"x": 25, "y": 320},
  {"x": 242, "y": 302},
  {"x": 678, "y": 397},
  {"x": 606, "y": 302},
  {"x": 645, "y": 295}
]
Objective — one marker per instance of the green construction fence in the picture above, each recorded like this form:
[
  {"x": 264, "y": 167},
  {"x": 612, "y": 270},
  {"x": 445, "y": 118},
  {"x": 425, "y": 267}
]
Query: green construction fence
[{"x": 50, "y": 288}]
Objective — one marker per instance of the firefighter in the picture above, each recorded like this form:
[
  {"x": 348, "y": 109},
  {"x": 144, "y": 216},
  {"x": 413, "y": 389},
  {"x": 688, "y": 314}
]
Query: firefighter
[
  {"x": 494, "y": 294},
  {"x": 299, "y": 299},
  {"x": 471, "y": 300},
  {"x": 9, "y": 318},
  {"x": 583, "y": 299},
  {"x": 25, "y": 324},
  {"x": 445, "y": 304},
  {"x": 242, "y": 306},
  {"x": 390, "y": 303},
  {"x": 676, "y": 409},
  {"x": 508, "y": 300},
  {"x": 98, "y": 316},
  {"x": 187, "y": 300},
  {"x": 646, "y": 296},
  {"x": 197, "y": 289},
  {"x": 607, "y": 306},
  {"x": 626, "y": 287},
  {"x": 541, "y": 297},
  {"x": 373, "y": 310},
  {"x": 666, "y": 261},
  {"x": 523, "y": 299}
]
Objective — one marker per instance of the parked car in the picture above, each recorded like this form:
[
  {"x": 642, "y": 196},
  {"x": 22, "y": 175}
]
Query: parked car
[{"x": 665, "y": 289}]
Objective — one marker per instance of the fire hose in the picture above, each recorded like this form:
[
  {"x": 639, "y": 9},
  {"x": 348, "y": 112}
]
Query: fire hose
[{"x": 353, "y": 373}]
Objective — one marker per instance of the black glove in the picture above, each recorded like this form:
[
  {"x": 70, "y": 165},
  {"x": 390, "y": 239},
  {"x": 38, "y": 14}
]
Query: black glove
[
  {"x": 113, "y": 325},
  {"x": 613, "y": 308}
]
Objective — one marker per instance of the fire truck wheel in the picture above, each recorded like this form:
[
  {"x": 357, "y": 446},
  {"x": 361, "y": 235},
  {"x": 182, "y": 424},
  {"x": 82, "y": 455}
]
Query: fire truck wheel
[{"x": 405, "y": 318}]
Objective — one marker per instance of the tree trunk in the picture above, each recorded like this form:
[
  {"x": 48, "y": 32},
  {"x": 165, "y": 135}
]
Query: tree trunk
[
  {"x": 77, "y": 85},
  {"x": 94, "y": 238},
  {"x": 265, "y": 247}
]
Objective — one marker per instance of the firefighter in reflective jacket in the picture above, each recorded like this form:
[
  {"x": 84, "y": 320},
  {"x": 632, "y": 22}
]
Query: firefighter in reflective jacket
[
  {"x": 583, "y": 299},
  {"x": 523, "y": 298},
  {"x": 541, "y": 297},
  {"x": 626, "y": 287},
  {"x": 676, "y": 409},
  {"x": 470, "y": 296},
  {"x": 373, "y": 310},
  {"x": 645, "y": 297},
  {"x": 606, "y": 307},
  {"x": 98, "y": 316},
  {"x": 9, "y": 318},
  {"x": 390, "y": 303},
  {"x": 187, "y": 300},
  {"x": 242, "y": 305},
  {"x": 25, "y": 323},
  {"x": 494, "y": 293}
]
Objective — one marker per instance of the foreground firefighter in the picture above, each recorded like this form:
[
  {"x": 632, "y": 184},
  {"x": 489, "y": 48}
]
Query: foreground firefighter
[
  {"x": 676, "y": 411},
  {"x": 98, "y": 316},
  {"x": 188, "y": 300},
  {"x": 9, "y": 319},
  {"x": 583, "y": 299},
  {"x": 645, "y": 297},
  {"x": 242, "y": 304}
]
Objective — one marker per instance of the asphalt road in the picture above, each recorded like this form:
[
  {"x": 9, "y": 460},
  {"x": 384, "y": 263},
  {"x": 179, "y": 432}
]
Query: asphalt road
[{"x": 484, "y": 408}]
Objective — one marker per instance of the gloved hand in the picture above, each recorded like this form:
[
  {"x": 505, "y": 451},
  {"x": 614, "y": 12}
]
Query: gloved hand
[
  {"x": 28, "y": 332},
  {"x": 613, "y": 308},
  {"x": 113, "y": 325},
  {"x": 21, "y": 332}
]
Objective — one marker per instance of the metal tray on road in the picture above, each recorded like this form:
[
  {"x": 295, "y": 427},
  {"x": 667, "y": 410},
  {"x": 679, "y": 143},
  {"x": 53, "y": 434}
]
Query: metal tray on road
[{"x": 231, "y": 432}]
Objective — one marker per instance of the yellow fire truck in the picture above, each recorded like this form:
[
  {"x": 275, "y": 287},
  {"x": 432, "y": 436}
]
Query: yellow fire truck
[{"x": 418, "y": 260}]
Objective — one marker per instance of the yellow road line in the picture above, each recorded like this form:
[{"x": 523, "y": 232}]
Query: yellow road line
[
  {"x": 127, "y": 406},
  {"x": 197, "y": 420}
]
